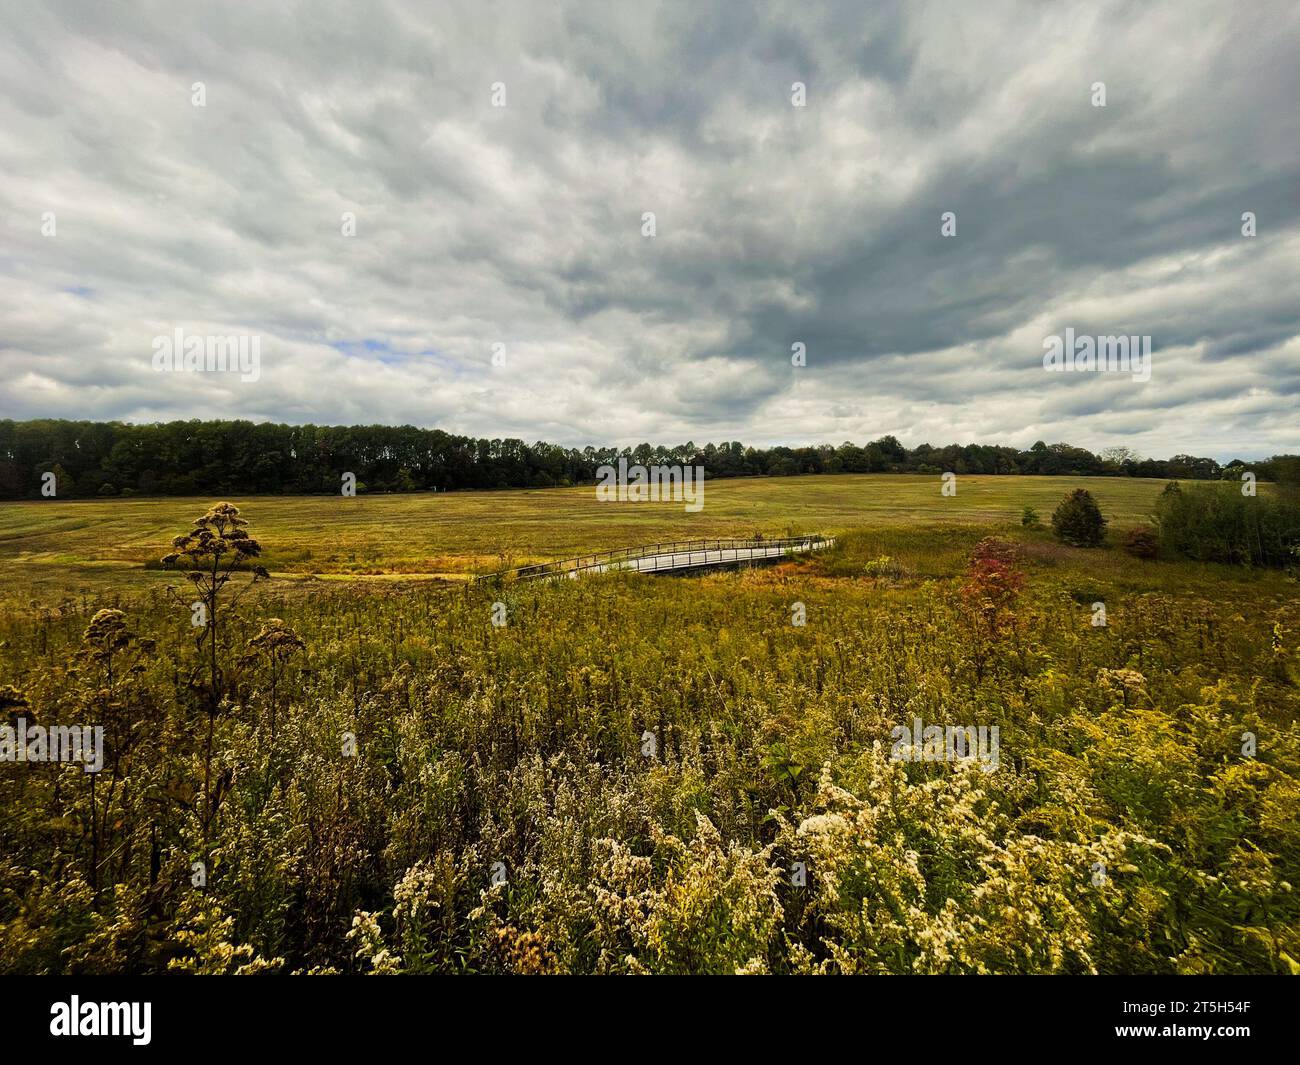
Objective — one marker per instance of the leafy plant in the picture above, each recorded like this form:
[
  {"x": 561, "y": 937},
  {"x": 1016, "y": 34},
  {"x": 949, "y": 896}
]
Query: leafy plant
[
  {"x": 1142, "y": 542},
  {"x": 1218, "y": 523},
  {"x": 1078, "y": 520}
]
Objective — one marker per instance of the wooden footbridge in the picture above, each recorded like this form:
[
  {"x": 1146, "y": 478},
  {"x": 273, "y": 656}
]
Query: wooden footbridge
[{"x": 677, "y": 556}]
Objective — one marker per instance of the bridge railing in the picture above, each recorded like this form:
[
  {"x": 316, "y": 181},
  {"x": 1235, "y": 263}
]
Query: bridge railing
[{"x": 626, "y": 557}]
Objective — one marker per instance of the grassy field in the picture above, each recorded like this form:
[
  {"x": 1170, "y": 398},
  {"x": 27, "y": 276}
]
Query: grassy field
[
  {"x": 101, "y": 547},
  {"x": 376, "y": 776}
]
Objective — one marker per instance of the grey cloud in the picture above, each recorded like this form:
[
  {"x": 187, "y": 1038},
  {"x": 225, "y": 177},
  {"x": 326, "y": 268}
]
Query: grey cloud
[{"x": 521, "y": 225}]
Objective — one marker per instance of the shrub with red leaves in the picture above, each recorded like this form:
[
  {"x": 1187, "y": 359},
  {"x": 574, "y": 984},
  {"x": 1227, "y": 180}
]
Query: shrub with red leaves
[
  {"x": 991, "y": 548},
  {"x": 1142, "y": 542},
  {"x": 990, "y": 590},
  {"x": 992, "y": 584}
]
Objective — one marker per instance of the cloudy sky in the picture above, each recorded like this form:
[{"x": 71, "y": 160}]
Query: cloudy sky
[{"x": 522, "y": 225}]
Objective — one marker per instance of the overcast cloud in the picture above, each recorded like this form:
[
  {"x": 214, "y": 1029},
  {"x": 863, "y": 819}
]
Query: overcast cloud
[{"x": 522, "y": 225}]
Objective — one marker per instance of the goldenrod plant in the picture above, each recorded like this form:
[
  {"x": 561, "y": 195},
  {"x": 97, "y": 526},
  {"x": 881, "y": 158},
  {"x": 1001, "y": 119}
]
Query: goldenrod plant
[{"x": 447, "y": 796}]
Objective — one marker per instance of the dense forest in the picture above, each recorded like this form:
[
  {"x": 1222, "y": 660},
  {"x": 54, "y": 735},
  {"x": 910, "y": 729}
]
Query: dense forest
[{"x": 224, "y": 457}]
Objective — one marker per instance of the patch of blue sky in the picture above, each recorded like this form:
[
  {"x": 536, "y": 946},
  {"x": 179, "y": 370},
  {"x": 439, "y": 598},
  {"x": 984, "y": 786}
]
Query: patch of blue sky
[{"x": 383, "y": 351}]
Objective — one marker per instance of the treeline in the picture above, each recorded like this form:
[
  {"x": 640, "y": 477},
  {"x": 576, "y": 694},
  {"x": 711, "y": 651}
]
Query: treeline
[{"x": 239, "y": 457}]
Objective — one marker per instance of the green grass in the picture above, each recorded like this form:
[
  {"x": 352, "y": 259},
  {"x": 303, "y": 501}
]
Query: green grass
[{"x": 103, "y": 546}]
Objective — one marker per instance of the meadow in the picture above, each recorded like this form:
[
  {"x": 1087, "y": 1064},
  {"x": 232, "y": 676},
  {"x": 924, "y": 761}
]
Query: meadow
[
  {"x": 63, "y": 548},
  {"x": 650, "y": 774}
]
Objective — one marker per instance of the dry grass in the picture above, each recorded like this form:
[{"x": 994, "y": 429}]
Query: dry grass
[{"x": 98, "y": 547}]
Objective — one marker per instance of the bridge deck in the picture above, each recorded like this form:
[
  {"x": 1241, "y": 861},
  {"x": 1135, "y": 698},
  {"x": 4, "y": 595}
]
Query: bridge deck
[
  {"x": 678, "y": 556},
  {"x": 685, "y": 560}
]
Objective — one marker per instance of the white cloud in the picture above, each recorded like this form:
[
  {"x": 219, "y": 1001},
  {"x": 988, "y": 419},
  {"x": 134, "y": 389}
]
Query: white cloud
[{"x": 521, "y": 225}]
